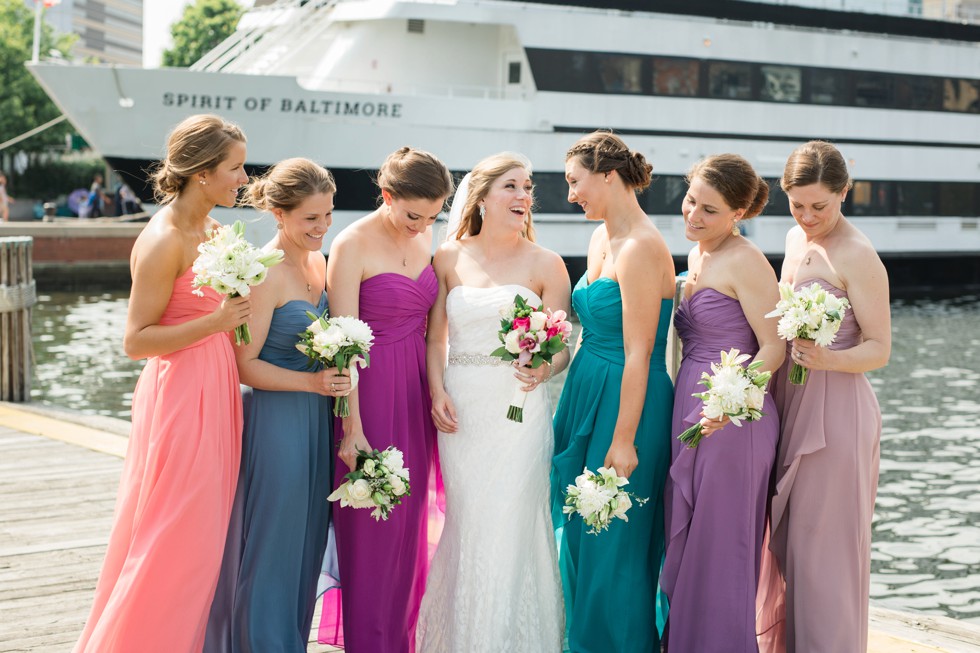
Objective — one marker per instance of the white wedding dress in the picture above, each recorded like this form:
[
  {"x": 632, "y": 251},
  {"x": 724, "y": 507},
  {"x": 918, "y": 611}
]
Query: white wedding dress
[{"x": 493, "y": 585}]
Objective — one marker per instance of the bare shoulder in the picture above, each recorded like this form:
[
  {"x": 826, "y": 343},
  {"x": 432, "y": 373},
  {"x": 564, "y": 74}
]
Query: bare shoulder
[
  {"x": 747, "y": 256},
  {"x": 854, "y": 254},
  {"x": 160, "y": 244},
  {"x": 446, "y": 256}
]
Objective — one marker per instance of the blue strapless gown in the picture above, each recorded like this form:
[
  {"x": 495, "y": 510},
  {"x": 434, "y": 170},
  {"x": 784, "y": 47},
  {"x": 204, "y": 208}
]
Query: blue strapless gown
[
  {"x": 278, "y": 532},
  {"x": 610, "y": 579}
]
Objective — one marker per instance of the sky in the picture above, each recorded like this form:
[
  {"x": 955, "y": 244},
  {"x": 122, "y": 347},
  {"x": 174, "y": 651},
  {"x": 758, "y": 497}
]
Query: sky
[{"x": 158, "y": 16}]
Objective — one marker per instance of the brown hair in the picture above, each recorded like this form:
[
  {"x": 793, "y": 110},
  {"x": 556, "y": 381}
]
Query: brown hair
[
  {"x": 816, "y": 162},
  {"x": 734, "y": 178},
  {"x": 414, "y": 174},
  {"x": 603, "y": 151},
  {"x": 482, "y": 177},
  {"x": 287, "y": 184},
  {"x": 198, "y": 143}
]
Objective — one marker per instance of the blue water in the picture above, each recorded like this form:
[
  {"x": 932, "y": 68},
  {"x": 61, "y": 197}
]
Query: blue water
[{"x": 926, "y": 547}]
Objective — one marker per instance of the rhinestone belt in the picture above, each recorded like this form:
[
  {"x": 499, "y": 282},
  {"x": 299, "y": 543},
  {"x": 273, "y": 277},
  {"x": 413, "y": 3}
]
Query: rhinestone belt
[{"x": 476, "y": 359}]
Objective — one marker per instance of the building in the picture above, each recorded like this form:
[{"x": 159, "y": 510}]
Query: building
[
  {"x": 109, "y": 31},
  {"x": 967, "y": 11}
]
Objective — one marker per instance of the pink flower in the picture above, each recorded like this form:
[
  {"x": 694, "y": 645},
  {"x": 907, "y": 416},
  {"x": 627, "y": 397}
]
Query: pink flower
[
  {"x": 521, "y": 323},
  {"x": 558, "y": 316},
  {"x": 552, "y": 331},
  {"x": 530, "y": 344},
  {"x": 524, "y": 357}
]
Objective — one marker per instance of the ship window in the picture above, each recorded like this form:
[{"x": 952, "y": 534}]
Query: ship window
[
  {"x": 869, "y": 198},
  {"x": 514, "y": 72},
  {"x": 551, "y": 194},
  {"x": 919, "y": 93},
  {"x": 957, "y": 199},
  {"x": 827, "y": 86},
  {"x": 961, "y": 95},
  {"x": 915, "y": 198},
  {"x": 675, "y": 77},
  {"x": 416, "y": 26},
  {"x": 664, "y": 196},
  {"x": 781, "y": 83},
  {"x": 621, "y": 73},
  {"x": 778, "y": 202},
  {"x": 873, "y": 90},
  {"x": 731, "y": 81}
]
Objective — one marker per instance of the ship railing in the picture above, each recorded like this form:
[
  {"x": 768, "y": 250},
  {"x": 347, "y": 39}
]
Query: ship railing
[{"x": 430, "y": 90}]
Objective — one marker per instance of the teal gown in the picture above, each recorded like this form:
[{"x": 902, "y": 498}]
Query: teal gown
[{"x": 610, "y": 579}]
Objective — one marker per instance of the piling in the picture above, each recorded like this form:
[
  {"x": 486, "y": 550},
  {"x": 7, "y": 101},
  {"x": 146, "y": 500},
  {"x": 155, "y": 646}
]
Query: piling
[{"x": 17, "y": 295}]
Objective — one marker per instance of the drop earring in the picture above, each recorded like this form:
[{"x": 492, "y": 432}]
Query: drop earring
[
  {"x": 483, "y": 211},
  {"x": 735, "y": 230}
]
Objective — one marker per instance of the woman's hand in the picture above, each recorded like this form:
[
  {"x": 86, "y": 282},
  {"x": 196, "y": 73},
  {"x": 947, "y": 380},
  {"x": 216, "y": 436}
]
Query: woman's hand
[
  {"x": 444, "y": 412},
  {"x": 621, "y": 457},
  {"x": 709, "y": 426},
  {"x": 331, "y": 383},
  {"x": 531, "y": 377},
  {"x": 809, "y": 355},
  {"x": 352, "y": 441},
  {"x": 231, "y": 313}
]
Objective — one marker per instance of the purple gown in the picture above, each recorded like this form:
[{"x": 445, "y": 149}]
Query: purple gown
[
  {"x": 383, "y": 563},
  {"x": 715, "y": 495}
]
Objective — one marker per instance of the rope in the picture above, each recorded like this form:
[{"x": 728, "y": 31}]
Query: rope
[{"x": 15, "y": 298}]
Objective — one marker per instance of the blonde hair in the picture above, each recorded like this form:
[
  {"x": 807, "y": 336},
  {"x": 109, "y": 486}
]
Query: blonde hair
[
  {"x": 482, "y": 177},
  {"x": 603, "y": 151},
  {"x": 288, "y": 184},
  {"x": 816, "y": 162},
  {"x": 735, "y": 180},
  {"x": 198, "y": 143},
  {"x": 413, "y": 174}
]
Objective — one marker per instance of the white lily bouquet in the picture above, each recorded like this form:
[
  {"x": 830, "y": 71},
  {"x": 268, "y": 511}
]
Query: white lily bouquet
[
  {"x": 531, "y": 335},
  {"x": 810, "y": 313},
  {"x": 379, "y": 481},
  {"x": 342, "y": 342},
  {"x": 599, "y": 498},
  {"x": 230, "y": 264},
  {"x": 732, "y": 390}
]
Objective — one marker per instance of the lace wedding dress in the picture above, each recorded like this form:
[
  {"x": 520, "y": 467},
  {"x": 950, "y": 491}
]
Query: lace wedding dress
[{"x": 493, "y": 585}]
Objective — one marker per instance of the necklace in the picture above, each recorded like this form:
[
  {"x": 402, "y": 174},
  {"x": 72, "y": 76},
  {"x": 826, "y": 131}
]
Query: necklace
[{"x": 395, "y": 241}]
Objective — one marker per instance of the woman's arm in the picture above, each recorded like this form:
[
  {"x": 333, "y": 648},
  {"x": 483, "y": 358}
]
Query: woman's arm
[
  {"x": 155, "y": 266},
  {"x": 757, "y": 292},
  {"x": 555, "y": 295},
  {"x": 344, "y": 275},
  {"x": 640, "y": 272},
  {"x": 437, "y": 345}
]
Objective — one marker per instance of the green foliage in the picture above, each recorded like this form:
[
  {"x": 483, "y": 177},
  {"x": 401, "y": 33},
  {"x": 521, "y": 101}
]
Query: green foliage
[
  {"x": 204, "y": 24},
  {"x": 23, "y": 103},
  {"x": 48, "y": 180}
]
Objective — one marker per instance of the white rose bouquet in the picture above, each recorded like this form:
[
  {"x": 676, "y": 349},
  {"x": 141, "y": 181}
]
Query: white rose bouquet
[
  {"x": 379, "y": 481},
  {"x": 732, "y": 390},
  {"x": 811, "y": 313},
  {"x": 532, "y": 336},
  {"x": 342, "y": 342},
  {"x": 599, "y": 498},
  {"x": 230, "y": 264}
]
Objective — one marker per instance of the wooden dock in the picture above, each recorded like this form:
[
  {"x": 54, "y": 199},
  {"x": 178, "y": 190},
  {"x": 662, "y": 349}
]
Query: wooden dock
[{"x": 58, "y": 481}]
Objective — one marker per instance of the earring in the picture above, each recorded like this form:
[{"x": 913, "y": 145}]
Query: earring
[
  {"x": 278, "y": 225},
  {"x": 483, "y": 211},
  {"x": 735, "y": 230},
  {"x": 202, "y": 182}
]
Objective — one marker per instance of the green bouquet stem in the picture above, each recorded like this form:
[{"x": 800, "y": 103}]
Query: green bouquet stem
[
  {"x": 798, "y": 374},
  {"x": 692, "y": 436},
  {"x": 341, "y": 407}
]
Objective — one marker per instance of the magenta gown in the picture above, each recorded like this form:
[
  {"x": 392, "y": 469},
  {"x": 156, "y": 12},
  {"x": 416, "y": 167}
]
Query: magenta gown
[
  {"x": 383, "y": 564},
  {"x": 826, "y": 476},
  {"x": 715, "y": 495}
]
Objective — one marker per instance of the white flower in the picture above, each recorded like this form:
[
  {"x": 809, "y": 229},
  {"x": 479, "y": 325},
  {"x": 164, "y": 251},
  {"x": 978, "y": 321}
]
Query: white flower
[
  {"x": 369, "y": 466},
  {"x": 394, "y": 460},
  {"x": 397, "y": 485},
  {"x": 538, "y": 320},
  {"x": 754, "y": 397},
  {"x": 507, "y": 312},
  {"x": 355, "y": 330},
  {"x": 826, "y": 334},
  {"x": 360, "y": 490},
  {"x": 512, "y": 341}
]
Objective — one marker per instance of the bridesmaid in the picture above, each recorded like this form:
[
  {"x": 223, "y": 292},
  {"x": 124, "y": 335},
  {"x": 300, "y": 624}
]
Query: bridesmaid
[
  {"x": 716, "y": 494},
  {"x": 178, "y": 482},
  {"x": 379, "y": 271},
  {"x": 278, "y": 533},
  {"x": 827, "y": 464},
  {"x": 615, "y": 407}
]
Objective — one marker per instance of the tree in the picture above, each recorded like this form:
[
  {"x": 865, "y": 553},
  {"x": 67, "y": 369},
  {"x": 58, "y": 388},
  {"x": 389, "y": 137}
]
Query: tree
[
  {"x": 203, "y": 25},
  {"x": 23, "y": 103}
]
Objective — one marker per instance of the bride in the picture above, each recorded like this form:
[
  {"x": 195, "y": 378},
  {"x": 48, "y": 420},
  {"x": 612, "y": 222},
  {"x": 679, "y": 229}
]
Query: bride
[{"x": 493, "y": 584}]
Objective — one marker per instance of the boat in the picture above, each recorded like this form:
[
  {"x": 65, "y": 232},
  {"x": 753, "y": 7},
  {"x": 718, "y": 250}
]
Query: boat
[{"x": 346, "y": 82}]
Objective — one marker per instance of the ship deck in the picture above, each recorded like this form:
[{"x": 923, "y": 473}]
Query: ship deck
[{"x": 58, "y": 478}]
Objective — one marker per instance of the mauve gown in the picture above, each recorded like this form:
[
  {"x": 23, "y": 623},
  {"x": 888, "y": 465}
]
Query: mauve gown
[
  {"x": 826, "y": 480},
  {"x": 716, "y": 493},
  {"x": 383, "y": 563},
  {"x": 175, "y": 496},
  {"x": 278, "y": 532}
]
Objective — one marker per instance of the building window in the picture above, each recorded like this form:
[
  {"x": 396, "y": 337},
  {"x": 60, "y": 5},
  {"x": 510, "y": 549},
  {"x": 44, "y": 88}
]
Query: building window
[
  {"x": 873, "y": 90},
  {"x": 675, "y": 77},
  {"x": 514, "y": 72},
  {"x": 732, "y": 81},
  {"x": 416, "y": 26},
  {"x": 621, "y": 73},
  {"x": 961, "y": 95},
  {"x": 923, "y": 93},
  {"x": 781, "y": 83},
  {"x": 828, "y": 87}
]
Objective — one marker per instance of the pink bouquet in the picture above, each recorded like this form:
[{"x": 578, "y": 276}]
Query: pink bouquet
[{"x": 531, "y": 336}]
